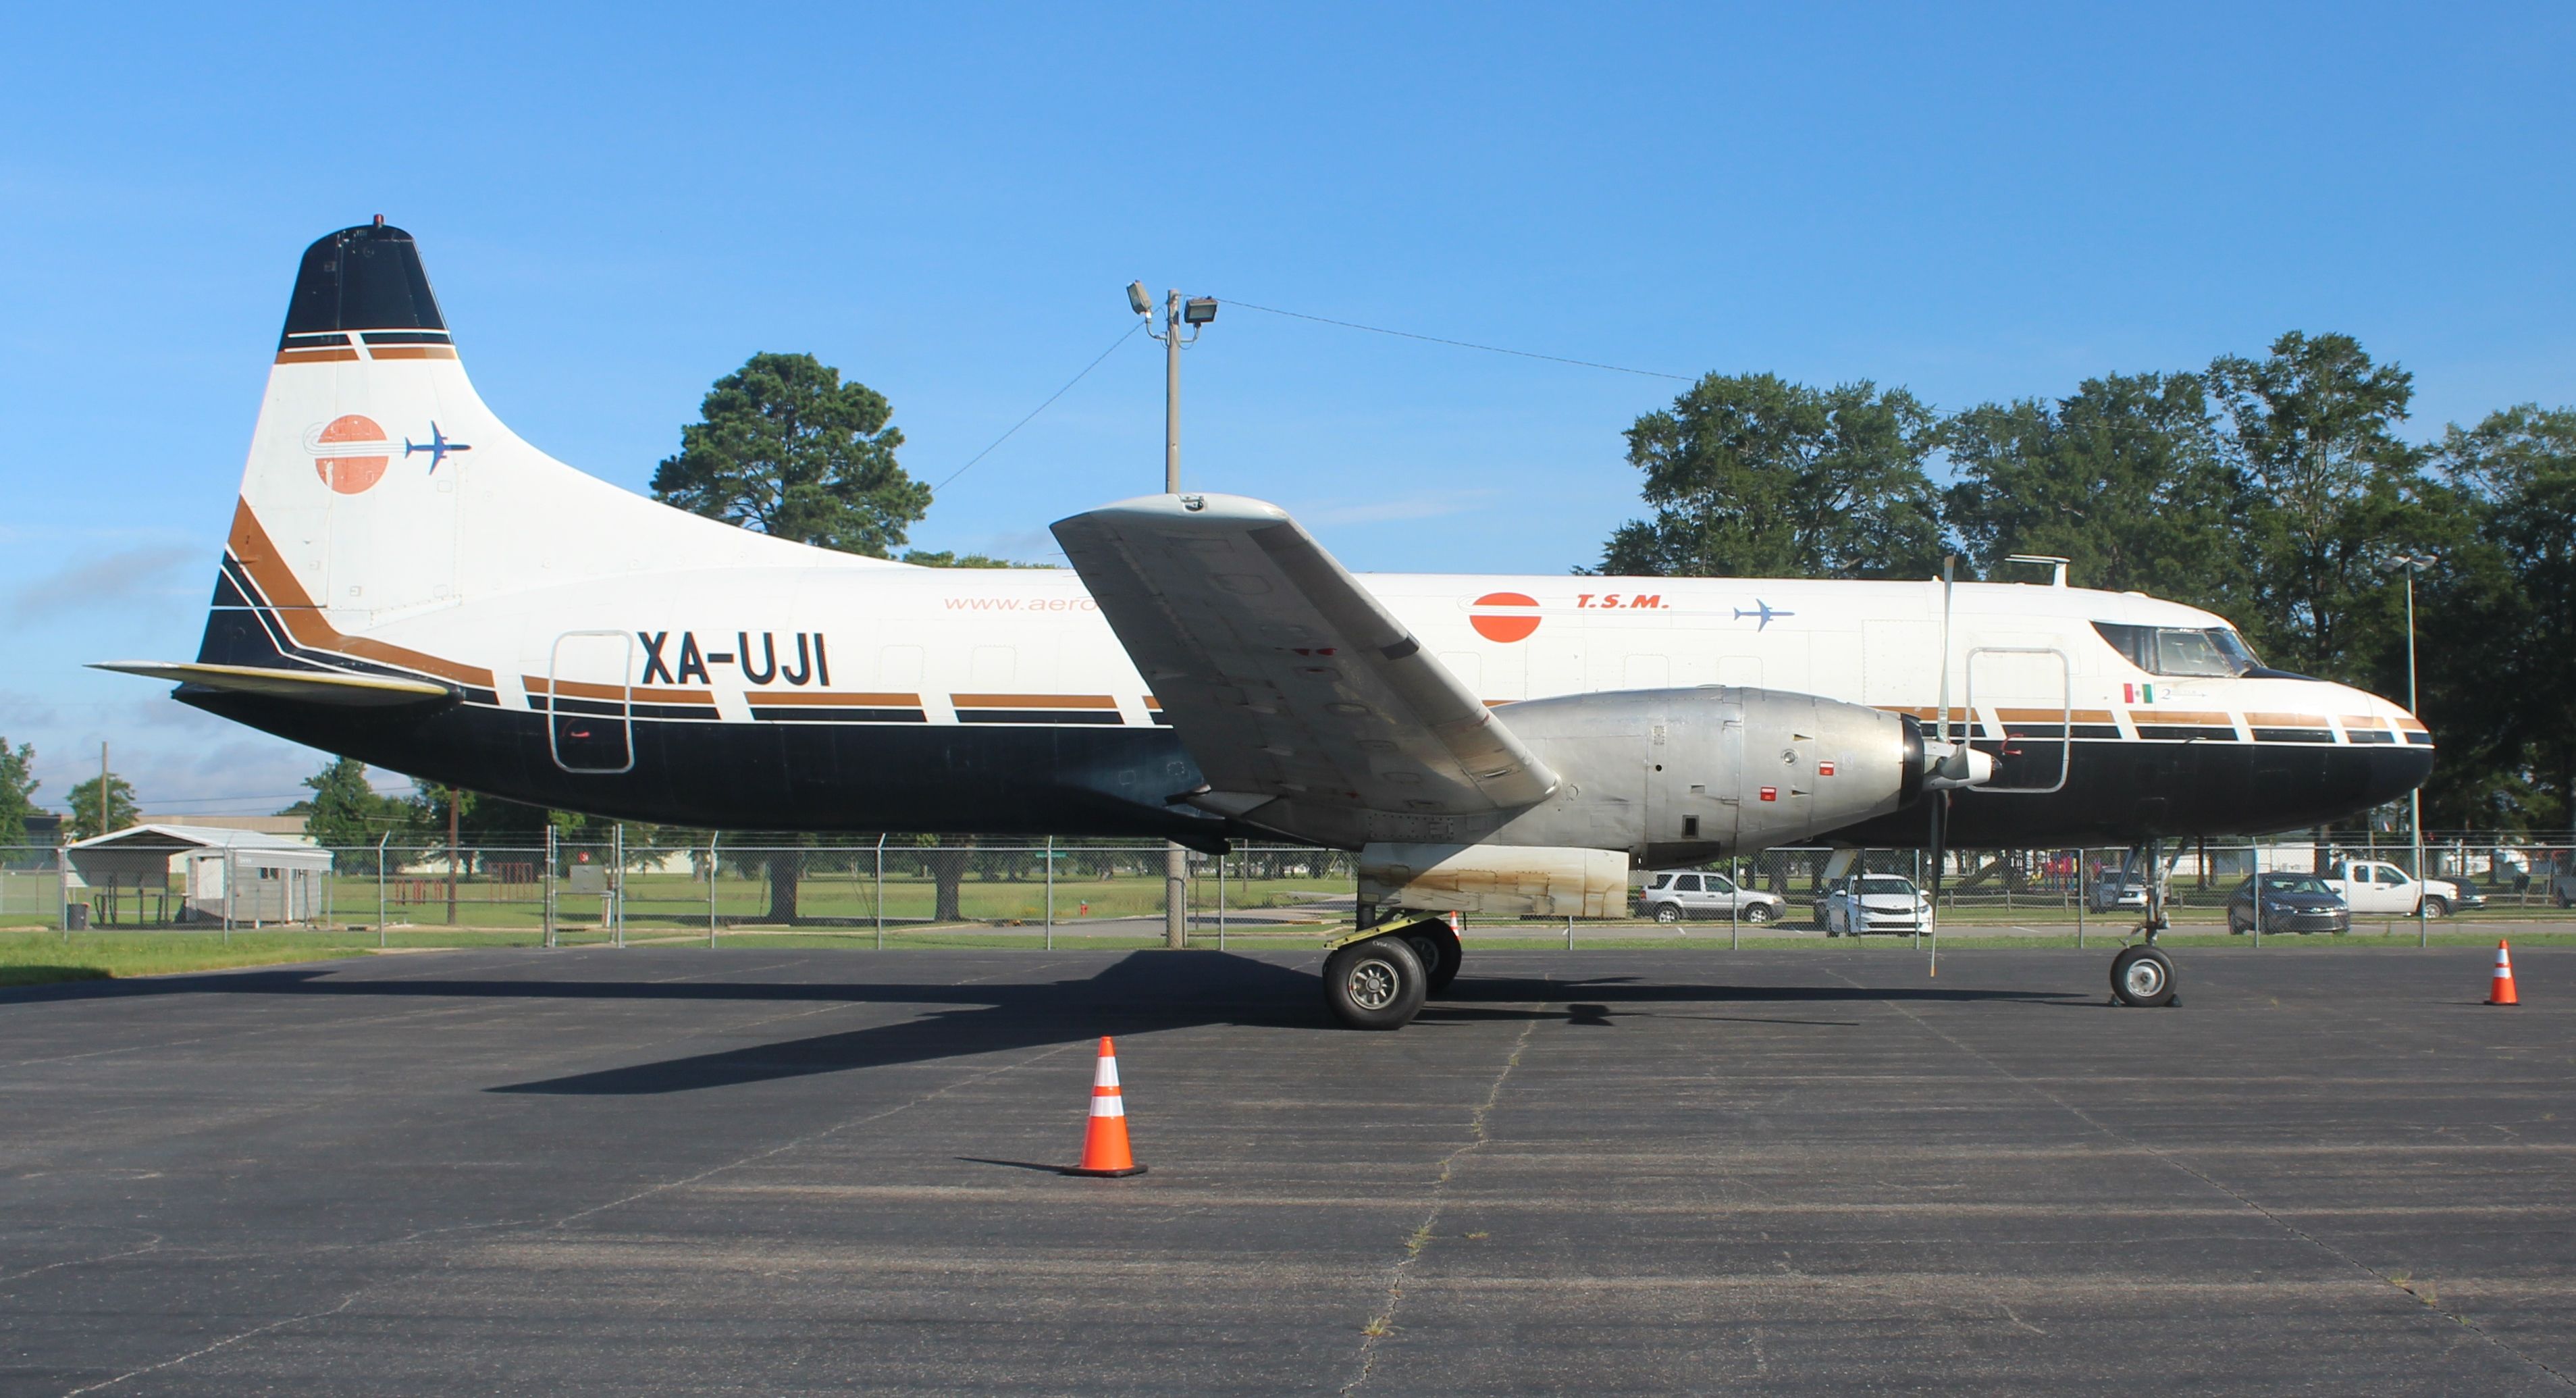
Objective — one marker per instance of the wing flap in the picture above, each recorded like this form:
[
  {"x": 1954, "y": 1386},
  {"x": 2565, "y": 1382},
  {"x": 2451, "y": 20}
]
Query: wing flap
[{"x": 1281, "y": 674}]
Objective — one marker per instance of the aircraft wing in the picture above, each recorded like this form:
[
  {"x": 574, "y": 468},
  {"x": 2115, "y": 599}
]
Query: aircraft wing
[{"x": 1284, "y": 678}]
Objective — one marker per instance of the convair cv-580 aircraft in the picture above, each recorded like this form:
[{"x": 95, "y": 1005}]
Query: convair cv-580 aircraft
[{"x": 411, "y": 584}]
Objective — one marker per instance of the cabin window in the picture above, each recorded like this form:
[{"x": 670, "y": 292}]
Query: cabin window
[{"x": 2214, "y": 652}]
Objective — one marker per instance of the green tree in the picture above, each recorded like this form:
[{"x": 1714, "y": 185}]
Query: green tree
[
  {"x": 17, "y": 790},
  {"x": 2311, "y": 430},
  {"x": 346, "y": 814},
  {"x": 121, "y": 810},
  {"x": 1752, "y": 476},
  {"x": 2500, "y": 691},
  {"x": 786, "y": 448},
  {"x": 2124, "y": 478},
  {"x": 924, "y": 558}
]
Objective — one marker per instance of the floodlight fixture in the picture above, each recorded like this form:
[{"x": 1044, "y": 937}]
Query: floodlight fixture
[
  {"x": 1198, "y": 310},
  {"x": 1137, "y": 300}
]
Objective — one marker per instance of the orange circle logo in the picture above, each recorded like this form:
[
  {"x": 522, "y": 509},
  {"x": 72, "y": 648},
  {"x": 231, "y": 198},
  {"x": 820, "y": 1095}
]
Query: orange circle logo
[
  {"x": 350, "y": 453},
  {"x": 1505, "y": 616}
]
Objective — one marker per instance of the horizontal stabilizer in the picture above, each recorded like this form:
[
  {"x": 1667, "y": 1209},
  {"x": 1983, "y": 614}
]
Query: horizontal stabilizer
[{"x": 310, "y": 686}]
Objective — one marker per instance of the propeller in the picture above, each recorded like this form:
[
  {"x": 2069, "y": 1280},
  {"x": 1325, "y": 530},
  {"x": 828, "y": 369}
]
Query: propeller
[
  {"x": 1939, "y": 807},
  {"x": 1949, "y": 763}
]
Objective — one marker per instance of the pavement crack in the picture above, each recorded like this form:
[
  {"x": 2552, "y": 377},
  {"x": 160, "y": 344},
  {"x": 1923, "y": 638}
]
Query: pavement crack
[
  {"x": 2421, "y": 1293},
  {"x": 153, "y": 1245},
  {"x": 1382, "y": 1324},
  {"x": 225, "y": 1343}
]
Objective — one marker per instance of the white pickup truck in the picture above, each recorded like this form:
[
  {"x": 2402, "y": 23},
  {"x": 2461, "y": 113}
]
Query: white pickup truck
[{"x": 2371, "y": 886}]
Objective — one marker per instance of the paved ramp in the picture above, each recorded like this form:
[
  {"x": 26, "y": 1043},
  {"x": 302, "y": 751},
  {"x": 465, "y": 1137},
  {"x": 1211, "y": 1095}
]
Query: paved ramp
[{"x": 1814, "y": 1171}]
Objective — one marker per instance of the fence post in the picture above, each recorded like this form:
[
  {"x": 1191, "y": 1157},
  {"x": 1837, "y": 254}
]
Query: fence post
[
  {"x": 380, "y": 888},
  {"x": 712, "y": 837},
  {"x": 1220, "y": 902},
  {"x": 880, "y": 892},
  {"x": 1735, "y": 907},
  {"x": 1050, "y": 893},
  {"x": 617, "y": 882},
  {"x": 2083, "y": 894},
  {"x": 2254, "y": 893}
]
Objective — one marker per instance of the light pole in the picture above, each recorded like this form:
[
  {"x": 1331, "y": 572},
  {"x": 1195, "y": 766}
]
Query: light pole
[
  {"x": 1182, "y": 322},
  {"x": 2410, "y": 564}
]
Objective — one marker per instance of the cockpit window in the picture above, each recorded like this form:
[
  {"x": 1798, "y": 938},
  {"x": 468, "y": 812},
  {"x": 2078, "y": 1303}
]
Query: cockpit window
[{"x": 2183, "y": 651}]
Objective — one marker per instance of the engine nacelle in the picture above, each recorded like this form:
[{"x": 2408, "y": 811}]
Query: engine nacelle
[
  {"x": 1659, "y": 776},
  {"x": 1683, "y": 775}
]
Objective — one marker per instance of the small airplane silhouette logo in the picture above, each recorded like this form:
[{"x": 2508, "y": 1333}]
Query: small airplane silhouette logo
[
  {"x": 438, "y": 447},
  {"x": 1761, "y": 609}
]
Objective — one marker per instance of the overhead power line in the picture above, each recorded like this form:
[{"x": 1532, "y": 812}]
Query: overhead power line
[
  {"x": 1042, "y": 407},
  {"x": 1462, "y": 344}
]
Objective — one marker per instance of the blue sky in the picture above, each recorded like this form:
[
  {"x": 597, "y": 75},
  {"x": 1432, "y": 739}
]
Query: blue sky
[{"x": 620, "y": 204}]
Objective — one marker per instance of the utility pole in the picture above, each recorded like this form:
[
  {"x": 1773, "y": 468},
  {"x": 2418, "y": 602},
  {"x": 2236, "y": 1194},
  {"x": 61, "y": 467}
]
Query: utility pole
[
  {"x": 1179, "y": 316},
  {"x": 2410, "y": 565}
]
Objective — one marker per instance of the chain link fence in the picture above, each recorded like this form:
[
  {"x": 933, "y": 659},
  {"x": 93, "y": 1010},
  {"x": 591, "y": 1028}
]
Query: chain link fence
[{"x": 905, "y": 890}]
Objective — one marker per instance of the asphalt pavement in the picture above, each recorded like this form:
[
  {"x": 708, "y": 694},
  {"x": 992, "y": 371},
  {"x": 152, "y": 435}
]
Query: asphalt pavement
[{"x": 1809, "y": 1170}]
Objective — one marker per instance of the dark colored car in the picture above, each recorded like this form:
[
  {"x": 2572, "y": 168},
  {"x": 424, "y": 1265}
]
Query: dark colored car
[{"x": 2291, "y": 903}]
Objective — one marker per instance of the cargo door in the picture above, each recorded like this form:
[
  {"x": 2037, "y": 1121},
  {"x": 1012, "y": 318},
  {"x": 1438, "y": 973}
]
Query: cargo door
[{"x": 589, "y": 701}]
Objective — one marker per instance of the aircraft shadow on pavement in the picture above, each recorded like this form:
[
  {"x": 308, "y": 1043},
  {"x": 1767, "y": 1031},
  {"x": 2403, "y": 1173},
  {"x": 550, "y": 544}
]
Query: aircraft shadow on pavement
[{"x": 1142, "y": 992}]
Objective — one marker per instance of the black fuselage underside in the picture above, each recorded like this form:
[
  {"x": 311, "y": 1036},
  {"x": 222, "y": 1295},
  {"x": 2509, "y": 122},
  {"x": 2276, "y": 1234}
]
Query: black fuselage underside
[{"x": 1118, "y": 781}]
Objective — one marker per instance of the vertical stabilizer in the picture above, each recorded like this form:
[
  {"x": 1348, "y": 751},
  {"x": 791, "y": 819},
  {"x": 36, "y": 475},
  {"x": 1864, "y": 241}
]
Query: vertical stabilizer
[{"x": 379, "y": 486}]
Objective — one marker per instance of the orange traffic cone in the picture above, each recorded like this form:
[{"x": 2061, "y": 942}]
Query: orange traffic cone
[
  {"x": 1104, "y": 1142},
  {"x": 2503, "y": 994}
]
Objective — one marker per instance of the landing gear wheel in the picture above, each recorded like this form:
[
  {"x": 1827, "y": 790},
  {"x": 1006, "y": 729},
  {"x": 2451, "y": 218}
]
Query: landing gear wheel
[
  {"x": 2142, "y": 976},
  {"x": 1375, "y": 984},
  {"x": 1436, "y": 947}
]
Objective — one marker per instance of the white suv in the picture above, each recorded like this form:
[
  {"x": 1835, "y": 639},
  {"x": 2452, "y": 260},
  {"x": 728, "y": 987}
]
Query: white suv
[{"x": 1674, "y": 894}]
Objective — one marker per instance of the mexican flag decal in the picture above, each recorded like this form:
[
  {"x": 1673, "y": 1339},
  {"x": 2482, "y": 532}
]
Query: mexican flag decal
[{"x": 2137, "y": 694}]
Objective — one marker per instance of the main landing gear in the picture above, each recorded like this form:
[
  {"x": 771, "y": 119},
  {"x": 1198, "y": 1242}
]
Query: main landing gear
[
  {"x": 1378, "y": 977},
  {"x": 2142, "y": 974}
]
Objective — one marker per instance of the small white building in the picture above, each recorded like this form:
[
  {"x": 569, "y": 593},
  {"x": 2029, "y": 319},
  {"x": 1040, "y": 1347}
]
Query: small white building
[{"x": 210, "y": 874}]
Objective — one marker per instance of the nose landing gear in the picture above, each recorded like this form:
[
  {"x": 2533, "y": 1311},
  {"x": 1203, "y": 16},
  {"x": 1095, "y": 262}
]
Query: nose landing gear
[{"x": 2142, "y": 974}]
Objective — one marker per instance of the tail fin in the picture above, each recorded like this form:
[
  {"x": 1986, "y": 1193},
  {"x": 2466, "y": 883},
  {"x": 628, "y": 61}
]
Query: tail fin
[{"x": 379, "y": 486}]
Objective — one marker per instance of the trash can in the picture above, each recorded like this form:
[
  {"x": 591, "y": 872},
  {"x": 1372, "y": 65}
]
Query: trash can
[{"x": 76, "y": 917}]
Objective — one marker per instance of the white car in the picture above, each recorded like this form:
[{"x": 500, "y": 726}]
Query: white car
[
  {"x": 1673, "y": 894},
  {"x": 1875, "y": 903}
]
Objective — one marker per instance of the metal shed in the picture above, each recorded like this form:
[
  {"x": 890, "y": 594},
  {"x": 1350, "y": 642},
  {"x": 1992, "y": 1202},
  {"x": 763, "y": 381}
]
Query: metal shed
[{"x": 195, "y": 873}]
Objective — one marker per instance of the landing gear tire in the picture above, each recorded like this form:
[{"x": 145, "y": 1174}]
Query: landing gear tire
[
  {"x": 1376, "y": 984},
  {"x": 2142, "y": 976},
  {"x": 1436, "y": 947}
]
